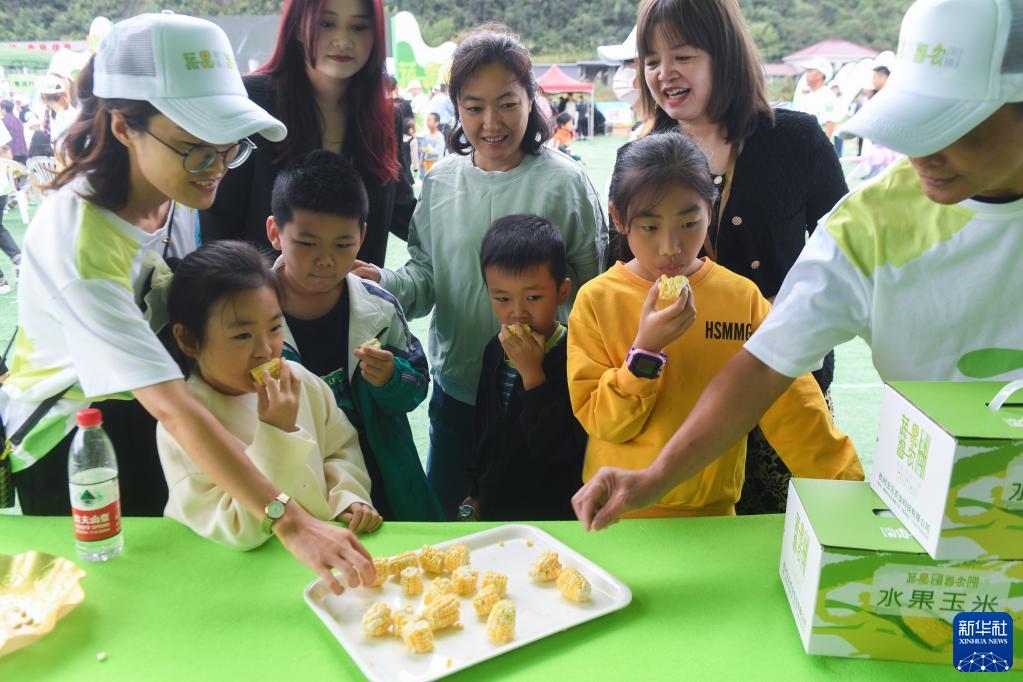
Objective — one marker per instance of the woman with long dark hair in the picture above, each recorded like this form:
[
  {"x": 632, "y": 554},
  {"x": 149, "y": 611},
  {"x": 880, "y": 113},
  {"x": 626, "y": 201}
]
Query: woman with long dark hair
[
  {"x": 325, "y": 80},
  {"x": 776, "y": 171}
]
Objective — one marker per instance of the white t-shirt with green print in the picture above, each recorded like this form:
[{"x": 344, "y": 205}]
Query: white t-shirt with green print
[
  {"x": 83, "y": 275},
  {"x": 937, "y": 291}
]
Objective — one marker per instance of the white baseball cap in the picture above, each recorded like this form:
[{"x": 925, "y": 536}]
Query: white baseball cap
[
  {"x": 616, "y": 54},
  {"x": 958, "y": 62},
  {"x": 820, "y": 64},
  {"x": 184, "y": 67},
  {"x": 50, "y": 84}
]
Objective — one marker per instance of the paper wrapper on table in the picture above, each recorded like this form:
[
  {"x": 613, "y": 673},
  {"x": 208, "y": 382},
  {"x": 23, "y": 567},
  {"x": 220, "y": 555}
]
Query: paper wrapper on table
[
  {"x": 860, "y": 586},
  {"x": 951, "y": 468},
  {"x": 36, "y": 590}
]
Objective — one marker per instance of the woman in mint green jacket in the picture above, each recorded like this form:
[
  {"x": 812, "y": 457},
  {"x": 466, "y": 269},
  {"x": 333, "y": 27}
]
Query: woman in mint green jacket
[{"x": 500, "y": 166}]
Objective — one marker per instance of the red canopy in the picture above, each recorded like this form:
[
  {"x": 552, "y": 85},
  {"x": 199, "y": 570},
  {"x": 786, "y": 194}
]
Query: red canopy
[{"x": 556, "y": 80}]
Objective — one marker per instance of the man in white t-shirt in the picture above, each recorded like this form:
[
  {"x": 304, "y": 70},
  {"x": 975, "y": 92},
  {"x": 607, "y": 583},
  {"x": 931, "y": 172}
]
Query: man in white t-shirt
[
  {"x": 923, "y": 262},
  {"x": 420, "y": 103},
  {"x": 820, "y": 101}
]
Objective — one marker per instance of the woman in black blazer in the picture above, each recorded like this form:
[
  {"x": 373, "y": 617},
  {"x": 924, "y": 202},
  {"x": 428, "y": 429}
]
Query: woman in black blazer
[{"x": 776, "y": 171}]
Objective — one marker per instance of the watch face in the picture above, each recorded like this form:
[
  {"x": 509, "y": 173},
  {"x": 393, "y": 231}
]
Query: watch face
[
  {"x": 275, "y": 509},
  {"x": 645, "y": 366}
]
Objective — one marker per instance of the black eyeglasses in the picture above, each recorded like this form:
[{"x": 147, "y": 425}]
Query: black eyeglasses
[{"x": 199, "y": 157}]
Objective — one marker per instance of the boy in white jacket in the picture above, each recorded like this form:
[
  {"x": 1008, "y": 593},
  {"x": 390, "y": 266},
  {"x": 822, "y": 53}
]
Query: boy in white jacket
[{"x": 349, "y": 331}]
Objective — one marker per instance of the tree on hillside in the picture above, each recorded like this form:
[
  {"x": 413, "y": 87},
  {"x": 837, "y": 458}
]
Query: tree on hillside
[{"x": 571, "y": 29}]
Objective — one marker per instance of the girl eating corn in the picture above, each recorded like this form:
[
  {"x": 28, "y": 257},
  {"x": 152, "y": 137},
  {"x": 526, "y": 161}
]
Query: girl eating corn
[
  {"x": 637, "y": 362},
  {"x": 229, "y": 329}
]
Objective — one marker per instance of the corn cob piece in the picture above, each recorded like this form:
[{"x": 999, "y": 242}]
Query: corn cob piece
[
  {"x": 501, "y": 622},
  {"x": 463, "y": 580},
  {"x": 670, "y": 288},
  {"x": 399, "y": 563},
  {"x": 273, "y": 366},
  {"x": 443, "y": 612},
  {"x": 431, "y": 559},
  {"x": 455, "y": 556},
  {"x": 400, "y": 618},
  {"x": 546, "y": 567},
  {"x": 418, "y": 637},
  {"x": 376, "y": 622},
  {"x": 438, "y": 588},
  {"x": 412, "y": 581},
  {"x": 372, "y": 343},
  {"x": 382, "y": 569},
  {"x": 485, "y": 599},
  {"x": 498, "y": 580},
  {"x": 573, "y": 585}
]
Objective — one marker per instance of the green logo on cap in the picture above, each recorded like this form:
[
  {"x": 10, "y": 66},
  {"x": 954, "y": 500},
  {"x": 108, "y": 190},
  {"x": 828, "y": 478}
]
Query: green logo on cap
[
  {"x": 938, "y": 55},
  {"x": 209, "y": 59}
]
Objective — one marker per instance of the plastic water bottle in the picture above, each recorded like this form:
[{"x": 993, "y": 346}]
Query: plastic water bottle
[{"x": 95, "y": 494}]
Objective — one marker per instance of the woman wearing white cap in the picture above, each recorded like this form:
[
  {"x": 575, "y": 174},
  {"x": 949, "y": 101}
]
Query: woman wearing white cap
[
  {"x": 164, "y": 116},
  {"x": 922, "y": 263},
  {"x": 776, "y": 171},
  {"x": 60, "y": 114},
  {"x": 326, "y": 81}
]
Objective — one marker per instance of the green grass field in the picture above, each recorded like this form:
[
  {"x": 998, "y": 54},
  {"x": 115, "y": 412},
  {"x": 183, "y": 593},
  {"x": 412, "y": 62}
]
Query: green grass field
[{"x": 856, "y": 390}]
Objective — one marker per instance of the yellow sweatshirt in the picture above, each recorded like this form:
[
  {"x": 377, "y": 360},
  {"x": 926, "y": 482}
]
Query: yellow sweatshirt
[{"x": 630, "y": 419}]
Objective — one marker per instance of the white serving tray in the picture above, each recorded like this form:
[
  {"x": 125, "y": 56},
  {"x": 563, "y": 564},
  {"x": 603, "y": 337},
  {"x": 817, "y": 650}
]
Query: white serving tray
[{"x": 541, "y": 611}]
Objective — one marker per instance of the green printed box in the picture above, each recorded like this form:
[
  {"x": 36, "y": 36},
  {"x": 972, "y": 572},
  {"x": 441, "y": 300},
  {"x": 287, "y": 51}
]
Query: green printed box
[
  {"x": 860, "y": 586},
  {"x": 951, "y": 468}
]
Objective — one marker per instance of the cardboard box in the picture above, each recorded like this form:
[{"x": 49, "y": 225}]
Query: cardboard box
[
  {"x": 860, "y": 586},
  {"x": 951, "y": 468}
]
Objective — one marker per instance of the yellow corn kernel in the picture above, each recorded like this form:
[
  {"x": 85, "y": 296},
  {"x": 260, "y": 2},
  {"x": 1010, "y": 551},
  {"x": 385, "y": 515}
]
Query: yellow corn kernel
[
  {"x": 457, "y": 555},
  {"x": 501, "y": 622},
  {"x": 443, "y": 612},
  {"x": 431, "y": 559},
  {"x": 401, "y": 618},
  {"x": 546, "y": 567},
  {"x": 670, "y": 288},
  {"x": 399, "y": 563},
  {"x": 271, "y": 366},
  {"x": 573, "y": 585},
  {"x": 437, "y": 589},
  {"x": 412, "y": 581},
  {"x": 463, "y": 580},
  {"x": 380, "y": 564},
  {"x": 418, "y": 637},
  {"x": 498, "y": 580},
  {"x": 485, "y": 599},
  {"x": 377, "y": 621}
]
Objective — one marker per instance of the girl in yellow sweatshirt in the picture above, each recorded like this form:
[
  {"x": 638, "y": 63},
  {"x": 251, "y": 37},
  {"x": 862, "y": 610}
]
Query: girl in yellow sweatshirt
[{"x": 637, "y": 363}]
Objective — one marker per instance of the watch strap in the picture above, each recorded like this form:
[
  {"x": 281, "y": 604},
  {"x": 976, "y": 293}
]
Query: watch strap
[
  {"x": 268, "y": 520},
  {"x": 660, "y": 358}
]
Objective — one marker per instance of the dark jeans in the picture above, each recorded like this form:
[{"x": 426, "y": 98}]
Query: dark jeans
[
  {"x": 451, "y": 444},
  {"x": 766, "y": 486},
  {"x": 43, "y": 487},
  {"x": 7, "y": 243}
]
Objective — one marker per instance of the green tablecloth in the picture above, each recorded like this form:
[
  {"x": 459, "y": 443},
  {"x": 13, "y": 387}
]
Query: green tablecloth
[{"x": 707, "y": 605}]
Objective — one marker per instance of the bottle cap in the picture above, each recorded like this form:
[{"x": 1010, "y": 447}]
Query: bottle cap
[{"x": 90, "y": 416}]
